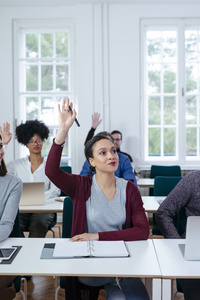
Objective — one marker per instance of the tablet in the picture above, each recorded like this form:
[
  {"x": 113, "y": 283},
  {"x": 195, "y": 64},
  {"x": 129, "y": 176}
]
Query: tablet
[{"x": 6, "y": 253}]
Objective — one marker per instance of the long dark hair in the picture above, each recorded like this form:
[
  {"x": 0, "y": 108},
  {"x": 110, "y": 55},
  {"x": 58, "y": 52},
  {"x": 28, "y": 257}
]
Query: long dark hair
[{"x": 3, "y": 169}]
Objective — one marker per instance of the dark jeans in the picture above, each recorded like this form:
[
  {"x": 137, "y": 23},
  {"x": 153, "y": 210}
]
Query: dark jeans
[{"x": 190, "y": 288}]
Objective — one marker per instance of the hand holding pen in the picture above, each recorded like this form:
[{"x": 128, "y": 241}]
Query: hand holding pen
[{"x": 72, "y": 115}]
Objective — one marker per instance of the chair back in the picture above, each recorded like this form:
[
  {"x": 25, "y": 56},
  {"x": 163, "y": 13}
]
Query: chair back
[
  {"x": 68, "y": 170},
  {"x": 67, "y": 217}
]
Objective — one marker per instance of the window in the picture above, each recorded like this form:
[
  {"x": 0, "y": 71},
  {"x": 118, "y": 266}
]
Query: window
[
  {"x": 44, "y": 66},
  {"x": 171, "y": 90}
]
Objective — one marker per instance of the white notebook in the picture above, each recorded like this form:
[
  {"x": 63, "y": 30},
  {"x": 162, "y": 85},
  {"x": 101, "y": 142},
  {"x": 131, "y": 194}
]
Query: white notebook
[
  {"x": 192, "y": 242},
  {"x": 66, "y": 248}
]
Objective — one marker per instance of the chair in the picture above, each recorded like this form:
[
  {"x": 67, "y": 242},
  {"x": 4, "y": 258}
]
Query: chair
[
  {"x": 66, "y": 233},
  {"x": 163, "y": 171},
  {"x": 17, "y": 282},
  {"x": 163, "y": 185},
  {"x": 68, "y": 170},
  {"x": 54, "y": 224}
]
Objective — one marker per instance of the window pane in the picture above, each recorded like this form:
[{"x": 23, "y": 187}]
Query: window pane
[
  {"x": 191, "y": 78},
  {"x": 154, "y": 78},
  {"x": 62, "y": 44},
  {"x": 62, "y": 78},
  {"x": 169, "y": 79},
  {"x": 154, "y": 111},
  {"x": 31, "y": 78},
  {"x": 154, "y": 142},
  {"x": 154, "y": 46},
  {"x": 191, "y": 38},
  {"x": 32, "y": 108},
  {"x": 169, "y": 142},
  {"x": 31, "y": 45},
  {"x": 191, "y": 140},
  {"x": 47, "y": 110},
  {"x": 47, "y": 78},
  {"x": 169, "y": 110},
  {"x": 169, "y": 46},
  {"x": 191, "y": 110},
  {"x": 46, "y": 45}
]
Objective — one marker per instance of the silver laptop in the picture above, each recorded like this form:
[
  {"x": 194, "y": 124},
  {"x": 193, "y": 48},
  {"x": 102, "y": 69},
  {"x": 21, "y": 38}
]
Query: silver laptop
[
  {"x": 33, "y": 193},
  {"x": 192, "y": 242}
]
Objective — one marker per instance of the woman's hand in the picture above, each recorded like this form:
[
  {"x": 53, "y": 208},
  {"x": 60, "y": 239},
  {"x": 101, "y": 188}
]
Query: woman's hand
[
  {"x": 85, "y": 237},
  {"x": 66, "y": 120},
  {"x": 5, "y": 133}
]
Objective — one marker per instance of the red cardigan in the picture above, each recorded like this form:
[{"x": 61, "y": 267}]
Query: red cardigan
[{"x": 79, "y": 189}]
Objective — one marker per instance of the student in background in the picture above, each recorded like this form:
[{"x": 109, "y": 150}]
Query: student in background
[
  {"x": 32, "y": 169},
  {"x": 10, "y": 193},
  {"x": 105, "y": 207},
  {"x": 186, "y": 195},
  {"x": 124, "y": 170}
]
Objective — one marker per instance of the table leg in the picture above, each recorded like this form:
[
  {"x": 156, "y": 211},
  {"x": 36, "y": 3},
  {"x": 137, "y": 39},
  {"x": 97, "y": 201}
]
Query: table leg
[{"x": 166, "y": 289}]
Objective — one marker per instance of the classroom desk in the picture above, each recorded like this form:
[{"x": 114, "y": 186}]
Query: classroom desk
[
  {"x": 145, "y": 182},
  {"x": 141, "y": 263},
  {"x": 172, "y": 264},
  {"x": 51, "y": 206},
  {"x": 151, "y": 203}
]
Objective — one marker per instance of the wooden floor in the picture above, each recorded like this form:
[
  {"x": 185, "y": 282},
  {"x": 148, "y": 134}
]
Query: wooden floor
[{"x": 43, "y": 287}]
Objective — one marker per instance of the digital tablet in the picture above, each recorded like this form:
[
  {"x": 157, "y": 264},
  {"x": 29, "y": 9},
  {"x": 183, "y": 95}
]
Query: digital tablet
[{"x": 6, "y": 253}]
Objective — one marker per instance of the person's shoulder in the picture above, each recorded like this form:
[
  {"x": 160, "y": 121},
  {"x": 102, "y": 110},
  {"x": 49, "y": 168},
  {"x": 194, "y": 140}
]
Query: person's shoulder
[
  {"x": 18, "y": 161},
  {"x": 13, "y": 179},
  {"x": 192, "y": 175}
]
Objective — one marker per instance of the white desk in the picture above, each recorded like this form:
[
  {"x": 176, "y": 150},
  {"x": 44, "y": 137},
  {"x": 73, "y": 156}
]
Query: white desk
[
  {"x": 146, "y": 182},
  {"x": 151, "y": 203},
  {"x": 141, "y": 263},
  {"x": 173, "y": 264},
  {"x": 51, "y": 206}
]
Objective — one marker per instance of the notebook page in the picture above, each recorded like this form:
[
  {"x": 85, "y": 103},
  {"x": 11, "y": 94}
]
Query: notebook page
[
  {"x": 65, "y": 248},
  {"x": 109, "y": 249}
]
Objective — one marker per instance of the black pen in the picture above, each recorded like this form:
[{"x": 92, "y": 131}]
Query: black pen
[{"x": 72, "y": 115}]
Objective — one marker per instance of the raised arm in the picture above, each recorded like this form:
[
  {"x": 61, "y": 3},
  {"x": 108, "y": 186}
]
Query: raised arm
[
  {"x": 5, "y": 133},
  {"x": 95, "y": 123}
]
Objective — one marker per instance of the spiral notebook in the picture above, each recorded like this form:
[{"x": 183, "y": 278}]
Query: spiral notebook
[{"x": 67, "y": 249}]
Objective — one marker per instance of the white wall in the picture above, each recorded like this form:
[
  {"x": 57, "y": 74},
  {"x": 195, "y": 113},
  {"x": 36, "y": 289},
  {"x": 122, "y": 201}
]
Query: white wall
[{"x": 107, "y": 64}]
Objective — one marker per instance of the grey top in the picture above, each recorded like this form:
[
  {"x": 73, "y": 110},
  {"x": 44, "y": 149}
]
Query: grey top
[
  {"x": 105, "y": 215},
  {"x": 10, "y": 193},
  {"x": 185, "y": 194}
]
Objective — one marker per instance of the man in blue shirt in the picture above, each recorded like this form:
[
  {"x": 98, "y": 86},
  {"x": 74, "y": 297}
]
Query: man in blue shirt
[{"x": 124, "y": 170}]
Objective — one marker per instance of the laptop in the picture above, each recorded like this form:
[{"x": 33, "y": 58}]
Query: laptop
[
  {"x": 33, "y": 193},
  {"x": 191, "y": 249}
]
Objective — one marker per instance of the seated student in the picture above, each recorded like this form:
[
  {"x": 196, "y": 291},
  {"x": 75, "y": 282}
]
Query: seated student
[
  {"x": 124, "y": 170},
  {"x": 185, "y": 195},
  {"x": 105, "y": 207},
  {"x": 10, "y": 193},
  {"x": 32, "y": 169}
]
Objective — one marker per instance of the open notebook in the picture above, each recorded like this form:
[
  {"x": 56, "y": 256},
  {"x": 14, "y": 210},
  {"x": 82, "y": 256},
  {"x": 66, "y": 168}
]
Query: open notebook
[{"x": 66, "y": 248}]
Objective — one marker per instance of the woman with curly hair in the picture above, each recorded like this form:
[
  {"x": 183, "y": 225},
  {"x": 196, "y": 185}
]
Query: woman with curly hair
[
  {"x": 10, "y": 193},
  {"x": 32, "y": 169}
]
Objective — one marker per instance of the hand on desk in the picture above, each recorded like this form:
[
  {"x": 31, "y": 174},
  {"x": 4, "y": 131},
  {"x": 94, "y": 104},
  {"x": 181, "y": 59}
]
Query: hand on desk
[{"x": 85, "y": 237}]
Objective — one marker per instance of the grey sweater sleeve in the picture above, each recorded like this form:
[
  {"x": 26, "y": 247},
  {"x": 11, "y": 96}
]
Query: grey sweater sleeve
[
  {"x": 10, "y": 189},
  {"x": 185, "y": 194}
]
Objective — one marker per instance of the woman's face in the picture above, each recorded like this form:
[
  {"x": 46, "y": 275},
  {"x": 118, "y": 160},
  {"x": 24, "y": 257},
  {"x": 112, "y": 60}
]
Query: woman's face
[
  {"x": 105, "y": 156},
  {"x": 35, "y": 144},
  {"x": 1, "y": 150}
]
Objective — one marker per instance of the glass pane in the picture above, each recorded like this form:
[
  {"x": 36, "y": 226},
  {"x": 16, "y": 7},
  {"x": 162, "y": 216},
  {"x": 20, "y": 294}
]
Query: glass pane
[
  {"x": 154, "y": 111},
  {"x": 47, "y": 110},
  {"x": 154, "y": 78},
  {"x": 169, "y": 46},
  {"x": 154, "y": 46},
  {"x": 32, "y": 108},
  {"x": 154, "y": 142},
  {"x": 191, "y": 78},
  {"x": 191, "y": 110},
  {"x": 31, "y": 45},
  {"x": 169, "y": 110},
  {"x": 62, "y": 44},
  {"x": 46, "y": 45},
  {"x": 31, "y": 78},
  {"x": 169, "y": 142},
  {"x": 169, "y": 79},
  {"x": 191, "y": 45},
  {"x": 62, "y": 78},
  {"x": 191, "y": 141},
  {"x": 47, "y": 78}
]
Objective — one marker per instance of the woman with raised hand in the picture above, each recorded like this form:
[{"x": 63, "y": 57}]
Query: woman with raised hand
[
  {"x": 105, "y": 207},
  {"x": 10, "y": 194}
]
